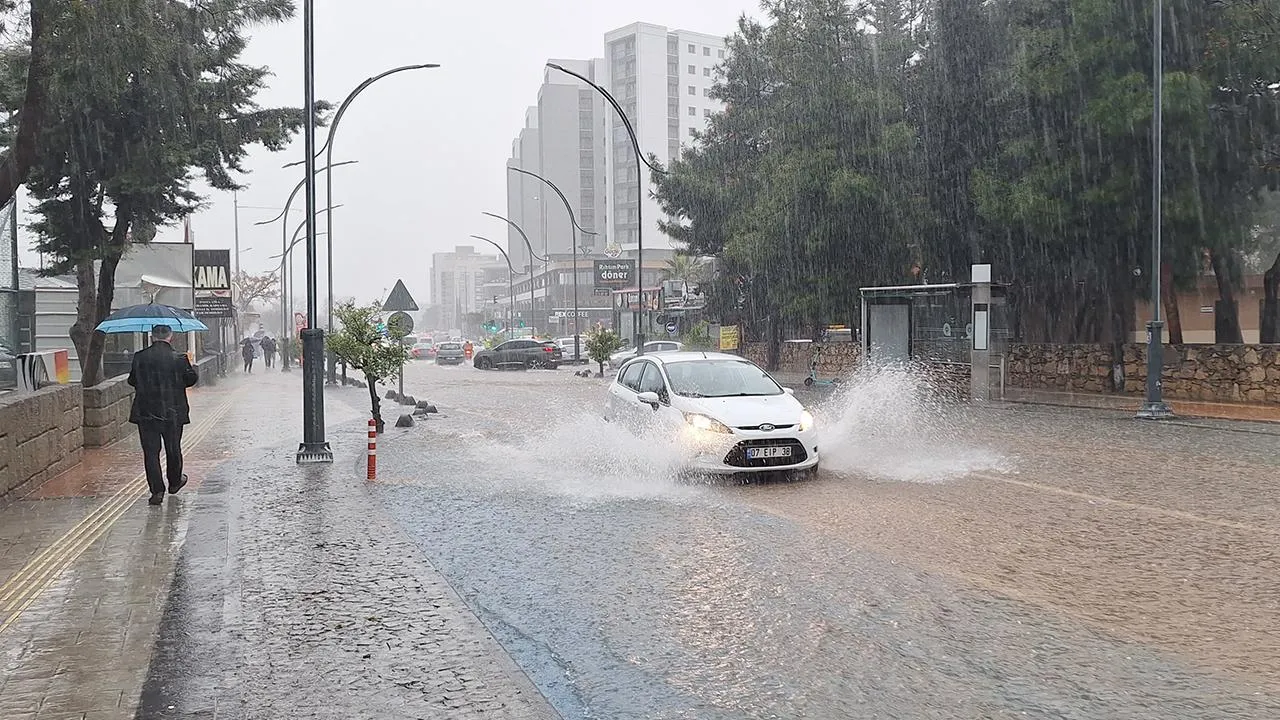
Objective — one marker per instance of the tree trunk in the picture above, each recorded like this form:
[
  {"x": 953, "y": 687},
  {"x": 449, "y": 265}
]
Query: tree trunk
[
  {"x": 1226, "y": 314},
  {"x": 1269, "y": 323},
  {"x": 83, "y": 328},
  {"x": 376, "y": 402},
  {"x": 14, "y": 167},
  {"x": 1169, "y": 298},
  {"x": 773, "y": 352},
  {"x": 94, "y": 303}
]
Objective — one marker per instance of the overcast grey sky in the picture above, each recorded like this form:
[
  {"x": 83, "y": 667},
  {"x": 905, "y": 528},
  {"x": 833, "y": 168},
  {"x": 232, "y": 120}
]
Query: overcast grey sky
[{"x": 431, "y": 145}]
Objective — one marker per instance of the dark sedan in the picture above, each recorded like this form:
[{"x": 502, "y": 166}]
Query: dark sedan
[{"x": 520, "y": 353}]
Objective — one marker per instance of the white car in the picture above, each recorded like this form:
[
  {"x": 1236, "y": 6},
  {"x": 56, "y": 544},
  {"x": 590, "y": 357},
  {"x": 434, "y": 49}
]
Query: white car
[
  {"x": 567, "y": 345},
  {"x": 726, "y": 414},
  {"x": 653, "y": 346}
]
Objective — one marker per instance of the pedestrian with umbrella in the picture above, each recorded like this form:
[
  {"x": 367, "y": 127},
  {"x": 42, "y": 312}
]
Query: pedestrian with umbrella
[
  {"x": 160, "y": 376},
  {"x": 247, "y": 352}
]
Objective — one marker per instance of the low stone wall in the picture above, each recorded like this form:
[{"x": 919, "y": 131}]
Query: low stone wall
[
  {"x": 41, "y": 435},
  {"x": 837, "y": 358},
  {"x": 106, "y": 411},
  {"x": 1214, "y": 373},
  {"x": 207, "y": 368}
]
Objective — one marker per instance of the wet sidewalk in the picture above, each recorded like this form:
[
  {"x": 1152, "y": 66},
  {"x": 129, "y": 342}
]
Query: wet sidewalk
[{"x": 263, "y": 590}]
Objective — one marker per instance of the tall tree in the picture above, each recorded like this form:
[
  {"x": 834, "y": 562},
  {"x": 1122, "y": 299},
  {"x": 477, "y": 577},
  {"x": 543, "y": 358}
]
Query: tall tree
[
  {"x": 250, "y": 289},
  {"x": 140, "y": 94},
  {"x": 26, "y": 65}
]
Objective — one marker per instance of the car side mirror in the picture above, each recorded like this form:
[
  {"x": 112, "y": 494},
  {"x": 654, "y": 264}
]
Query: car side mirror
[
  {"x": 789, "y": 391},
  {"x": 649, "y": 398}
]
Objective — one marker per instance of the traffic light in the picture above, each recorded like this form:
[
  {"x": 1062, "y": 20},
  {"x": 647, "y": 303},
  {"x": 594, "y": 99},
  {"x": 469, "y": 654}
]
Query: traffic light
[{"x": 495, "y": 299}]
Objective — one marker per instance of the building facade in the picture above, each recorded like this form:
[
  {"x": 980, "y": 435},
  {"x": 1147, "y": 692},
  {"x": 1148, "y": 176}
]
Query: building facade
[
  {"x": 462, "y": 284},
  {"x": 663, "y": 80}
]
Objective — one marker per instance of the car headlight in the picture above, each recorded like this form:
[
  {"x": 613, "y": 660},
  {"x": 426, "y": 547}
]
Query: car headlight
[
  {"x": 806, "y": 421},
  {"x": 707, "y": 424}
]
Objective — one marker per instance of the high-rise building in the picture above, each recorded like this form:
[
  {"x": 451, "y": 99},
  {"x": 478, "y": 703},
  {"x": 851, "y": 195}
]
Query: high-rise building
[
  {"x": 663, "y": 79},
  {"x": 563, "y": 142},
  {"x": 461, "y": 283}
]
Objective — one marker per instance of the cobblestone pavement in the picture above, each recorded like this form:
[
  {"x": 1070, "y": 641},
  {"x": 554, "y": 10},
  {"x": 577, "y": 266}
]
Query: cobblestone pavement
[
  {"x": 949, "y": 561},
  {"x": 262, "y": 591}
]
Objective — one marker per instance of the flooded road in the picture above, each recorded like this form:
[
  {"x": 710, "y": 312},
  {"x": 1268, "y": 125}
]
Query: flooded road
[{"x": 948, "y": 562}]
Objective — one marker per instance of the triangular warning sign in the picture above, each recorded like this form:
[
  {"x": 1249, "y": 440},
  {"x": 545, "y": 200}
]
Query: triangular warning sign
[{"x": 400, "y": 299}]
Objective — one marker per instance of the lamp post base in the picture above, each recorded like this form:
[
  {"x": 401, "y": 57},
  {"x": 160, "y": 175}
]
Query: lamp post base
[
  {"x": 1154, "y": 406},
  {"x": 317, "y": 454}
]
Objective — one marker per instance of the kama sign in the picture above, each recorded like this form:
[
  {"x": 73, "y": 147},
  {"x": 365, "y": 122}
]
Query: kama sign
[
  {"x": 211, "y": 283},
  {"x": 615, "y": 273}
]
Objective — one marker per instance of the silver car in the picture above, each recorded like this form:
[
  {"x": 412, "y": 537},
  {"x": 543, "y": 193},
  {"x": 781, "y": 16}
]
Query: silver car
[
  {"x": 617, "y": 359},
  {"x": 567, "y": 345},
  {"x": 450, "y": 353}
]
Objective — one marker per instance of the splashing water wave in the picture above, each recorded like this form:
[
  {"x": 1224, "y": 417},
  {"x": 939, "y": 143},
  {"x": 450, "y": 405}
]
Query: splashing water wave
[{"x": 891, "y": 423}]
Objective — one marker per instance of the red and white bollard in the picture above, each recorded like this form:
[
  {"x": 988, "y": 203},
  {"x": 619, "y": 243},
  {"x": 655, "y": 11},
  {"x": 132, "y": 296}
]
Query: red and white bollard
[{"x": 373, "y": 449}]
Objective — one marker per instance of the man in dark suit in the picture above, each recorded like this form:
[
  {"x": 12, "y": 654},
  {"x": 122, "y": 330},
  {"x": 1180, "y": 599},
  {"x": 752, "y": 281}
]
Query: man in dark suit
[{"x": 161, "y": 377}]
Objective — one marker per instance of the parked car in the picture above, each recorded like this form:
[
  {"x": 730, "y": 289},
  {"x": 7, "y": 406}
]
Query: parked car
[
  {"x": 8, "y": 369},
  {"x": 724, "y": 413},
  {"x": 422, "y": 350},
  {"x": 449, "y": 353},
  {"x": 567, "y": 345},
  {"x": 520, "y": 353},
  {"x": 617, "y": 359}
]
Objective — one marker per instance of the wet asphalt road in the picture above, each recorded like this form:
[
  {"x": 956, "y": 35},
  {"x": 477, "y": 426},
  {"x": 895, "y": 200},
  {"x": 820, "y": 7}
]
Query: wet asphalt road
[{"x": 948, "y": 562}]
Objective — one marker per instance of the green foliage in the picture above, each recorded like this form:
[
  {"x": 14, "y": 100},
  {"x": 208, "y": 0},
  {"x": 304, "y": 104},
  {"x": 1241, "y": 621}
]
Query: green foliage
[
  {"x": 894, "y": 141},
  {"x": 600, "y": 343},
  {"x": 698, "y": 337},
  {"x": 358, "y": 342},
  {"x": 141, "y": 96}
]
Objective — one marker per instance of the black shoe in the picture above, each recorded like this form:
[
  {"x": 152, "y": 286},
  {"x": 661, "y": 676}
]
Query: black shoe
[
  {"x": 156, "y": 499},
  {"x": 174, "y": 487}
]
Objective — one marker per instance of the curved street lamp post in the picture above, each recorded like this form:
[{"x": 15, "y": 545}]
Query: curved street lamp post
[
  {"x": 327, "y": 149},
  {"x": 511, "y": 295},
  {"x": 641, "y": 163},
  {"x": 1154, "y": 406},
  {"x": 532, "y": 256},
  {"x": 284, "y": 243},
  {"x": 577, "y": 353}
]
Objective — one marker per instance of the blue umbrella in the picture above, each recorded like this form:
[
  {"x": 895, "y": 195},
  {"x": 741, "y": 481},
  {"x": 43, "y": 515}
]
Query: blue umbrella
[{"x": 141, "y": 318}]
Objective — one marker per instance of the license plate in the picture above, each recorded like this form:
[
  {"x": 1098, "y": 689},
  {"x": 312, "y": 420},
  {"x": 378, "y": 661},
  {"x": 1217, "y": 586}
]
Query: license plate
[{"x": 761, "y": 453}]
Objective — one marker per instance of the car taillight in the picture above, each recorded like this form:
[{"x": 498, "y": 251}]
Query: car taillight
[{"x": 547, "y": 349}]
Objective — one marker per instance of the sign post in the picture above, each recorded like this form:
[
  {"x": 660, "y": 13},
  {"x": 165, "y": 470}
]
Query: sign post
[
  {"x": 400, "y": 303},
  {"x": 211, "y": 290}
]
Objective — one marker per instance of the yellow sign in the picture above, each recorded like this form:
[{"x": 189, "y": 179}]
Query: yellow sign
[{"x": 729, "y": 337}]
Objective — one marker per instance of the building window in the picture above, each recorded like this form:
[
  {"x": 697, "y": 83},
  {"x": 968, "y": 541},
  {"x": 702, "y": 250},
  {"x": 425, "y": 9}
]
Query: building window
[
  {"x": 721, "y": 54},
  {"x": 693, "y": 48},
  {"x": 706, "y": 71},
  {"x": 692, "y": 132},
  {"x": 693, "y": 70},
  {"x": 706, "y": 51},
  {"x": 706, "y": 92},
  {"x": 693, "y": 90},
  {"x": 693, "y": 111},
  {"x": 706, "y": 112},
  {"x": 673, "y": 68}
]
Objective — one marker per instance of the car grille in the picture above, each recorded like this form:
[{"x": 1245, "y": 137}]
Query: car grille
[
  {"x": 771, "y": 427},
  {"x": 737, "y": 457}
]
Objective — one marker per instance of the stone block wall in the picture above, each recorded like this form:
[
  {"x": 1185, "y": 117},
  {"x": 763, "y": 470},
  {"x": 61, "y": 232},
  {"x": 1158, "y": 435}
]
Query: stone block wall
[
  {"x": 837, "y": 358},
  {"x": 1213, "y": 373},
  {"x": 106, "y": 411},
  {"x": 41, "y": 435}
]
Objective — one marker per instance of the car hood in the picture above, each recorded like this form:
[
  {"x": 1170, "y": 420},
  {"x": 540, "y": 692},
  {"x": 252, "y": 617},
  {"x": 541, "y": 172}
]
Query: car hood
[{"x": 745, "y": 411}]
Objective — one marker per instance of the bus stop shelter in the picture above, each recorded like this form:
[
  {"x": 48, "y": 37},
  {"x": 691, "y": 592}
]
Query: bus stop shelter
[{"x": 962, "y": 327}]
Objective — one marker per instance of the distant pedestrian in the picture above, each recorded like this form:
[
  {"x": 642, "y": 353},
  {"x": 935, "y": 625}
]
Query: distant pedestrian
[
  {"x": 269, "y": 351},
  {"x": 247, "y": 352},
  {"x": 160, "y": 377}
]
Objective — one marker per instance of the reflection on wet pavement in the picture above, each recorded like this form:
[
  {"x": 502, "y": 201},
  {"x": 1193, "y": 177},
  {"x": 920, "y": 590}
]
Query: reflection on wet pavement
[{"x": 950, "y": 561}]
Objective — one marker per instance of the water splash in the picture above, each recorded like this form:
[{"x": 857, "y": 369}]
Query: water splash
[{"x": 892, "y": 423}]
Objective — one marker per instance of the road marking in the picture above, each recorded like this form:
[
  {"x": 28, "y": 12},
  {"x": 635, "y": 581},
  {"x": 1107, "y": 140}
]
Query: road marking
[
  {"x": 1140, "y": 507},
  {"x": 24, "y": 588}
]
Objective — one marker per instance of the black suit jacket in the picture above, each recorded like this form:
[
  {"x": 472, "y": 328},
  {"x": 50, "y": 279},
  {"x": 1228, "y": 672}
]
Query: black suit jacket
[{"x": 161, "y": 378}]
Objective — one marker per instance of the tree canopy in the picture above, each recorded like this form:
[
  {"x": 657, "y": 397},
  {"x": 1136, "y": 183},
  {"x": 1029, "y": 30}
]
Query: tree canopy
[
  {"x": 900, "y": 141},
  {"x": 138, "y": 95}
]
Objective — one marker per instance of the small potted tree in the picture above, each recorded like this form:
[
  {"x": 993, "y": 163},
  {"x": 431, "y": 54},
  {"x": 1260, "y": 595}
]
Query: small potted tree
[
  {"x": 362, "y": 344},
  {"x": 601, "y": 343}
]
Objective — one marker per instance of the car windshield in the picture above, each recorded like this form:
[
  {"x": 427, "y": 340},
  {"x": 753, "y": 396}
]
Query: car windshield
[
  {"x": 720, "y": 378},
  {"x": 449, "y": 346}
]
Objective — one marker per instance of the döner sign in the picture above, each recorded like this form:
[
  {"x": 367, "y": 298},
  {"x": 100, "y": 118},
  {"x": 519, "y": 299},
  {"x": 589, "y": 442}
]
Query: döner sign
[{"x": 615, "y": 273}]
